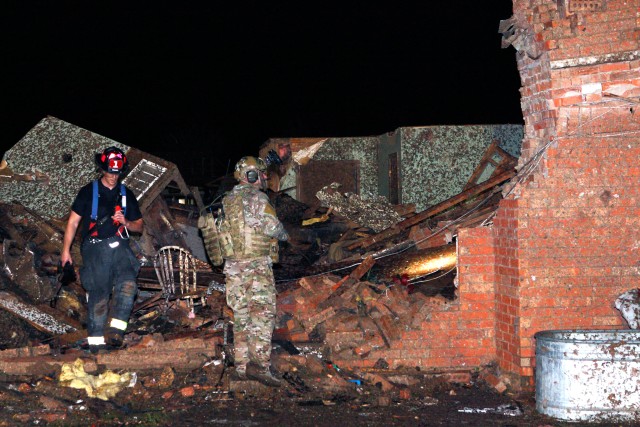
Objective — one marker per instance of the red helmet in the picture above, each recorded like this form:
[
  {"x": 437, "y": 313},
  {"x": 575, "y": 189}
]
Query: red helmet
[{"x": 112, "y": 160}]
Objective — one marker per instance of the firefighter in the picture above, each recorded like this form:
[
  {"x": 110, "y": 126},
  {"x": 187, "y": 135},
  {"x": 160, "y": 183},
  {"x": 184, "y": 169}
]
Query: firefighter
[
  {"x": 107, "y": 211},
  {"x": 249, "y": 234}
]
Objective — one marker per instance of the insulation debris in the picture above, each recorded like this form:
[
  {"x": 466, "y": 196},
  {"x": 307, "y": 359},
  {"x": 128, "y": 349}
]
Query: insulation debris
[
  {"x": 377, "y": 214},
  {"x": 103, "y": 386}
]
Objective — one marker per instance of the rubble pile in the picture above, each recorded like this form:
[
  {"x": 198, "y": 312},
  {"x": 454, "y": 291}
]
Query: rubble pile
[
  {"x": 349, "y": 291},
  {"x": 377, "y": 214},
  {"x": 351, "y": 318}
]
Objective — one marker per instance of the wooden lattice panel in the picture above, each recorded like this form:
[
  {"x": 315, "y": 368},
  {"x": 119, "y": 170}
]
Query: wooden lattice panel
[{"x": 143, "y": 177}]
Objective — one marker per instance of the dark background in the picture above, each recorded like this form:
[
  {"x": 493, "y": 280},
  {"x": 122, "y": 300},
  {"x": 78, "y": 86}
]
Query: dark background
[{"x": 214, "y": 80}]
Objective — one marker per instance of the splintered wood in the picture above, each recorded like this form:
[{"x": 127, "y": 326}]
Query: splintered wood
[{"x": 37, "y": 318}]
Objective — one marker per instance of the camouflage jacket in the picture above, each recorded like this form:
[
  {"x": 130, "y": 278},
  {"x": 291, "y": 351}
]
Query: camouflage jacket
[{"x": 251, "y": 221}]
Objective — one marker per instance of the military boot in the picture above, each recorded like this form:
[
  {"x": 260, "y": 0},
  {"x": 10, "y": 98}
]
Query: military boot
[
  {"x": 263, "y": 375},
  {"x": 239, "y": 374}
]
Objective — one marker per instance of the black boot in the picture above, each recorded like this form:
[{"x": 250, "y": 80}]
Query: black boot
[
  {"x": 114, "y": 338},
  {"x": 262, "y": 375},
  {"x": 99, "y": 348},
  {"x": 238, "y": 375}
]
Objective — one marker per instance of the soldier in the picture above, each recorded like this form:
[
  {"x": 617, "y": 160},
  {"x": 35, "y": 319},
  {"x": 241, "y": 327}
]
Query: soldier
[{"x": 249, "y": 234}]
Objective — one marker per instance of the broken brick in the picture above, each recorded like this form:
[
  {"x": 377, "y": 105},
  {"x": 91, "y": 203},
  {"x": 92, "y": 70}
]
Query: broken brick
[
  {"x": 404, "y": 393},
  {"x": 406, "y": 380},
  {"x": 329, "y": 281},
  {"x": 389, "y": 329},
  {"x": 382, "y": 308},
  {"x": 334, "y": 383},
  {"x": 378, "y": 381},
  {"x": 315, "y": 365},
  {"x": 301, "y": 336},
  {"x": 187, "y": 391},
  {"x": 494, "y": 382},
  {"x": 366, "y": 294},
  {"x": 363, "y": 350},
  {"x": 310, "y": 323},
  {"x": 307, "y": 300},
  {"x": 342, "y": 322},
  {"x": 368, "y": 326},
  {"x": 344, "y": 339}
]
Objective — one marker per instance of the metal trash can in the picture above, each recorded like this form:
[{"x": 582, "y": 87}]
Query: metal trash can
[{"x": 588, "y": 375}]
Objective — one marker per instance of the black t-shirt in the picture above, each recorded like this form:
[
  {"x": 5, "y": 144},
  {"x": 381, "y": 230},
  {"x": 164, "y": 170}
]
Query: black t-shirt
[{"x": 107, "y": 202}]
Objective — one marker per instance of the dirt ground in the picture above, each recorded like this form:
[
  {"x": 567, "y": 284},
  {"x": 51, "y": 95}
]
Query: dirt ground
[
  {"x": 308, "y": 397},
  {"x": 207, "y": 397}
]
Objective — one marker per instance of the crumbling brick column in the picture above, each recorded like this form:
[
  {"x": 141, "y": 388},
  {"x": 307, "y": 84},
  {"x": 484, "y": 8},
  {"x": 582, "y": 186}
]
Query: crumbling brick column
[{"x": 567, "y": 234}]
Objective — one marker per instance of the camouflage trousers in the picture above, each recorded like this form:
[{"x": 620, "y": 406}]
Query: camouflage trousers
[{"x": 251, "y": 294}]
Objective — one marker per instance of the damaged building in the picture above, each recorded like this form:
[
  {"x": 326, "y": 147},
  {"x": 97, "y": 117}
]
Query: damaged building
[
  {"x": 563, "y": 242},
  {"x": 412, "y": 165},
  {"x": 537, "y": 227}
]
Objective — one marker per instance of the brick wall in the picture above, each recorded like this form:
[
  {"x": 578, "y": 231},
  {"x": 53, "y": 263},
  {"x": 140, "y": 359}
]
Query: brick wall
[
  {"x": 461, "y": 332},
  {"x": 567, "y": 239},
  {"x": 448, "y": 334}
]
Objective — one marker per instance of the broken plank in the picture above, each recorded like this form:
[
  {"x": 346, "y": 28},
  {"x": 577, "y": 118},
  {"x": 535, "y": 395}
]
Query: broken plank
[
  {"x": 149, "y": 302},
  {"x": 434, "y": 210},
  {"x": 363, "y": 268},
  {"x": 37, "y": 318}
]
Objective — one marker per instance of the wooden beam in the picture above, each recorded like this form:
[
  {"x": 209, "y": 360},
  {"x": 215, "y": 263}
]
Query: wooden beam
[
  {"x": 35, "y": 316},
  {"x": 434, "y": 210}
]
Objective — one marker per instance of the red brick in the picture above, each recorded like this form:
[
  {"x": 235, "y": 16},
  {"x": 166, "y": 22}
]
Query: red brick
[
  {"x": 187, "y": 391},
  {"x": 404, "y": 393},
  {"x": 378, "y": 381},
  {"x": 390, "y": 328},
  {"x": 344, "y": 339},
  {"x": 311, "y": 322}
]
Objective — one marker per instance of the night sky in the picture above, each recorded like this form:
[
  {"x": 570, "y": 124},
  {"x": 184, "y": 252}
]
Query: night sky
[{"x": 218, "y": 79}]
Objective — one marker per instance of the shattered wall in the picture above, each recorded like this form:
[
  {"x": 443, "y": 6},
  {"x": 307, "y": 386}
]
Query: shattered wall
[
  {"x": 432, "y": 163},
  {"x": 567, "y": 236},
  {"x": 362, "y": 149},
  {"x": 388, "y": 148},
  {"x": 69, "y": 150},
  {"x": 437, "y": 161}
]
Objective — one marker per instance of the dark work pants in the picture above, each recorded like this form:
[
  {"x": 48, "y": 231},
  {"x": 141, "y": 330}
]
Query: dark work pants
[{"x": 108, "y": 274}]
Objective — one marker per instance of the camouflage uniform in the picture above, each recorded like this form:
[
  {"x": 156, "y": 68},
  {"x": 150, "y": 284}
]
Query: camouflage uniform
[{"x": 250, "y": 285}]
